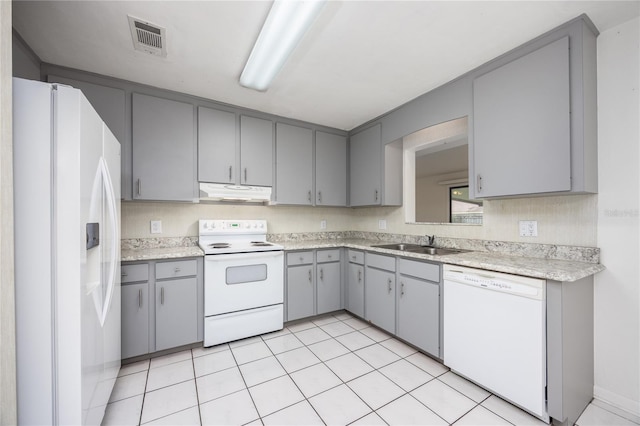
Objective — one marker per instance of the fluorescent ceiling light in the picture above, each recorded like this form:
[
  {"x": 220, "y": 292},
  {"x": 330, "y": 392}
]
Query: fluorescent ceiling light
[{"x": 286, "y": 24}]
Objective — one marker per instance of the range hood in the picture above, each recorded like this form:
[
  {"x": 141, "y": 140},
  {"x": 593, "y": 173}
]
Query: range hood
[{"x": 237, "y": 193}]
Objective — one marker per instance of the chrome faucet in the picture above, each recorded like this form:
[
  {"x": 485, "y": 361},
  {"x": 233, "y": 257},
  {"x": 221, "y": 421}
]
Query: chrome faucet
[{"x": 430, "y": 239}]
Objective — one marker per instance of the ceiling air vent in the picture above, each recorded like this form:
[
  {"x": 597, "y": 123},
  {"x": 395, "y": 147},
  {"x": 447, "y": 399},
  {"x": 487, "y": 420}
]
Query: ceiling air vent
[{"x": 148, "y": 37}]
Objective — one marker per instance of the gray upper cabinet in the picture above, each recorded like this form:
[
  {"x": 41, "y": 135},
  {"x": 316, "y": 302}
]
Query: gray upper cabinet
[
  {"x": 375, "y": 169},
  {"x": 366, "y": 167},
  {"x": 164, "y": 149},
  {"x": 521, "y": 125},
  {"x": 256, "y": 151},
  {"x": 294, "y": 165},
  {"x": 331, "y": 169},
  {"x": 217, "y": 146}
]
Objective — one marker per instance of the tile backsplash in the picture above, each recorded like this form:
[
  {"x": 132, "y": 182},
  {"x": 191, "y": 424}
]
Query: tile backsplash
[{"x": 565, "y": 220}]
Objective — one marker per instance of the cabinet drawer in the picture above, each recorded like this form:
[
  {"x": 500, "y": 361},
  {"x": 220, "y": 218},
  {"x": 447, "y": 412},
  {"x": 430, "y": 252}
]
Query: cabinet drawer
[
  {"x": 388, "y": 263},
  {"x": 356, "y": 256},
  {"x": 300, "y": 258},
  {"x": 182, "y": 268},
  {"x": 422, "y": 270},
  {"x": 323, "y": 256},
  {"x": 134, "y": 273}
]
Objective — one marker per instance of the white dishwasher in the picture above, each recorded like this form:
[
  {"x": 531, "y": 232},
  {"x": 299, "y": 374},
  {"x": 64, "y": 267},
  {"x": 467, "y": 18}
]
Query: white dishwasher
[{"x": 495, "y": 333}]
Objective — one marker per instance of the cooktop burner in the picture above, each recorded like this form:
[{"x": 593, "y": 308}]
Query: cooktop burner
[{"x": 219, "y": 245}]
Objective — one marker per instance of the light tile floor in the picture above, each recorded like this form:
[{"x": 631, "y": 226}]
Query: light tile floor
[{"x": 333, "y": 370}]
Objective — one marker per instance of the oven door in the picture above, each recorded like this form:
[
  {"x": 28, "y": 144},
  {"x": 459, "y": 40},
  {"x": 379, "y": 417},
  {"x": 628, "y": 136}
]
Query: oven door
[{"x": 238, "y": 281}]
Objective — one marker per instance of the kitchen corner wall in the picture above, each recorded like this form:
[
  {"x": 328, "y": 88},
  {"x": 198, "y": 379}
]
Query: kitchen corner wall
[
  {"x": 617, "y": 289},
  {"x": 565, "y": 220}
]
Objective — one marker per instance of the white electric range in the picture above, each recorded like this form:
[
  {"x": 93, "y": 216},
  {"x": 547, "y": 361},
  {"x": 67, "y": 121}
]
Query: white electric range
[{"x": 243, "y": 280}]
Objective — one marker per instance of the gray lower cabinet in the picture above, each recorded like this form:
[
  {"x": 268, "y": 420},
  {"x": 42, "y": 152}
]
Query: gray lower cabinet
[
  {"x": 331, "y": 169},
  {"x": 135, "y": 304},
  {"x": 176, "y": 312},
  {"x": 164, "y": 149},
  {"x": 328, "y": 282},
  {"x": 355, "y": 283},
  {"x": 294, "y": 165},
  {"x": 380, "y": 291},
  {"x": 419, "y": 305},
  {"x": 300, "y": 289},
  {"x": 162, "y": 305}
]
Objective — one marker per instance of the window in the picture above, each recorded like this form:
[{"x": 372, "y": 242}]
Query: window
[{"x": 461, "y": 208}]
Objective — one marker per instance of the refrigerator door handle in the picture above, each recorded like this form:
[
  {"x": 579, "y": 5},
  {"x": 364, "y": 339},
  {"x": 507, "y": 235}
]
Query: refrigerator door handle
[{"x": 113, "y": 213}]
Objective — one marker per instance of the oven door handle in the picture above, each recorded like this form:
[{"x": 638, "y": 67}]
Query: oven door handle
[{"x": 243, "y": 256}]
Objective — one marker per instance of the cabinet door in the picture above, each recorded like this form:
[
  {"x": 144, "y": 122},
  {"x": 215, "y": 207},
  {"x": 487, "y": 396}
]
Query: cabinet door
[
  {"x": 256, "y": 151},
  {"x": 176, "y": 313},
  {"x": 135, "y": 319},
  {"x": 216, "y": 146},
  {"x": 328, "y": 287},
  {"x": 163, "y": 149},
  {"x": 355, "y": 290},
  {"x": 366, "y": 167},
  {"x": 380, "y": 298},
  {"x": 419, "y": 313},
  {"x": 331, "y": 170},
  {"x": 521, "y": 127},
  {"x": 294, "y": 165},
  {"x": 300, "y": 291}
]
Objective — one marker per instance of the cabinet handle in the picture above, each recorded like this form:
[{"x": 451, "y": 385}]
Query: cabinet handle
[
  {"x": 245, "y": 175},
  {"x": 321, "y": 274},
  {"x": 401, "y": 289},
  {"x": 140, "y": 298},
  {"x": 139, "y": 187},
  {"x": 354, "y": 257},
  {"x": 177, "y": 269},
  {"x": 230, "y": 169},
  {"x": 329, "y": 256},
  {"x": 319, "y": 196},
  {"x": 301, "y": 259},
  {"x": 389, "y": 284},
  {"x": 124, "y": 274},
  {"x": 310, "y": 276},
  {"x": 309, "y": 196},
  {"x": 479, "y": 182},
  {"x": 359, "y": 275},
  {"x": 162, "y": 295},
  {"x": 376, "y": 195}
]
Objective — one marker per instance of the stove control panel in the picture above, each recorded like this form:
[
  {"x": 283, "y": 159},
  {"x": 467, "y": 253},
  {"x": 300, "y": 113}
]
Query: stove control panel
[{"x": 222, "y": 227}]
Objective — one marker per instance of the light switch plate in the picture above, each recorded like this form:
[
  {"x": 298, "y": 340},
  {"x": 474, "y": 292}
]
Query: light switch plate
[
  {"x": 382, "y": 224},
  {"x": 528, "y": 228},
  {"x": 156, "y": 227},
  {"x": 323, "y": 224}
]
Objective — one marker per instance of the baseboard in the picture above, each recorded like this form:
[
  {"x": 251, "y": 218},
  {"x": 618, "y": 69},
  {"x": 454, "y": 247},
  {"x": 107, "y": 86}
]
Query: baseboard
[{"x": 623, "y": 407}]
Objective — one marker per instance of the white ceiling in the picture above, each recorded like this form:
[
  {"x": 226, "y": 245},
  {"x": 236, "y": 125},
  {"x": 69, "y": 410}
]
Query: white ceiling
[{"x": 359, "y": 60}]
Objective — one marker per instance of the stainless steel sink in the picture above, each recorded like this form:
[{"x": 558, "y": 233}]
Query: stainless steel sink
[
  {"x": 416, "y": 248},
  {"x": 399, "y": 246}
]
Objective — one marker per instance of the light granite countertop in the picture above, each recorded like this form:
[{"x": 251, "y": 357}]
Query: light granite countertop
[
  {"x": 537, "y": 267},
  {"x": 549, "y": 269}
]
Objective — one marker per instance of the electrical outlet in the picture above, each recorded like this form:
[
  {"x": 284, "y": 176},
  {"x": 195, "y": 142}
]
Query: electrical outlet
[
  {"x": 156, "y": 227},
  {"x": 323, "y": 224},
  {"x": 382, "y": 224},
  {"x": 528, "y": 228}
]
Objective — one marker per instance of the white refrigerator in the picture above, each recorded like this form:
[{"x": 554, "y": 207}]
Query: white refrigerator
[{"x": 67, "y": 255}]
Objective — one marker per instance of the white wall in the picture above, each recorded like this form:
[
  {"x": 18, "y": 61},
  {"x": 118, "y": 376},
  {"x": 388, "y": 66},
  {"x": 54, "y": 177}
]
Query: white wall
[
  {"x": 7, "y": 302},
  {"x": 617, "y": 290}
]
